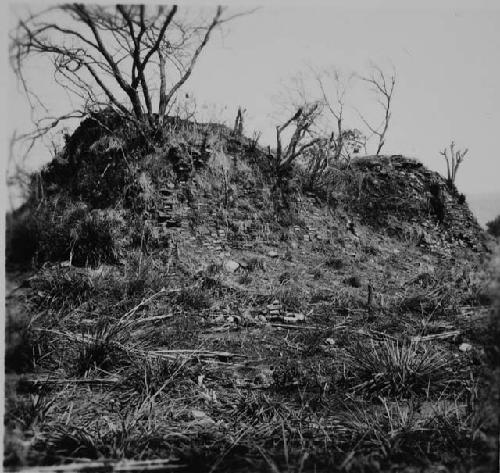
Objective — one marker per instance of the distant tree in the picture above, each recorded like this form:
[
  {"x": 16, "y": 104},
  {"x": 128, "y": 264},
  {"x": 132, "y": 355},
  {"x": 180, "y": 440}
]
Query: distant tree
[
  {"x": 494, "y": 226},
  {"x": 453, "y": 161},
  {"x": 381, "y": 84}
]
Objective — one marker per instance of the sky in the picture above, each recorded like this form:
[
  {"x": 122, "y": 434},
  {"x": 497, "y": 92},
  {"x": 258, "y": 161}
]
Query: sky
[{"x": 446, "y": 59}]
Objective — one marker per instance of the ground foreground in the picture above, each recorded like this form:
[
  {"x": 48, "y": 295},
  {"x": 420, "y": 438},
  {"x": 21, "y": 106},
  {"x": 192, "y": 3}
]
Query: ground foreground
[{"x": 366, "y": 357}]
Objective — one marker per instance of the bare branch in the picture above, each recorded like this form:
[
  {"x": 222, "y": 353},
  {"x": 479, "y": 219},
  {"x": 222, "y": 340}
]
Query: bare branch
[
  {"x": 383, "y": 86},
  {"x": 189, "y": 70}
]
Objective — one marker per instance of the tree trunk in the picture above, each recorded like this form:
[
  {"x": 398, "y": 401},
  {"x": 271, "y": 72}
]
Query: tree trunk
[{"x": 162, "y": 106}]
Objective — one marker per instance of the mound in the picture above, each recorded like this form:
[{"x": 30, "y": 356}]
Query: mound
[
  {"x": 201, "y": 182},
  {"x": 395, "y": 191},
  {"x": 203, "y": 299}
]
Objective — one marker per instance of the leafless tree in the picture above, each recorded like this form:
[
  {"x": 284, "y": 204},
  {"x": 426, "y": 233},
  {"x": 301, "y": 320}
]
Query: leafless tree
[
  {"x": 238, "y": 122},
  {"x": 453, "y": 161},
  {"x": 124, "y": 56},
  {"x": 302, "y": 137},
  {"x": 335, "y": 107},
  {"x": 382, "y": 85}
]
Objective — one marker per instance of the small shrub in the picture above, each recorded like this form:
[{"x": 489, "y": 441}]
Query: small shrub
[{"x": 494, "y": 226}]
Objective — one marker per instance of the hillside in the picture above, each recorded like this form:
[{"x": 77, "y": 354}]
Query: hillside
[{"x": 180, "y": 305}]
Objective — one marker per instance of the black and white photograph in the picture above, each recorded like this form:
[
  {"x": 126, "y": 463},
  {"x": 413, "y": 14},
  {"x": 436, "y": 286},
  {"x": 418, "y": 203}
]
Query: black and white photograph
[{"x": 251, "y": 237}]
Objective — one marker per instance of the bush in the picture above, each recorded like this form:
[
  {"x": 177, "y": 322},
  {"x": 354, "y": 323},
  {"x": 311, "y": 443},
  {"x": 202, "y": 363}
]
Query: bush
[
  {"x": 21, "y": 241},
  {"x": 56, "y": 230},
  {"x": 494, "y": 226}
]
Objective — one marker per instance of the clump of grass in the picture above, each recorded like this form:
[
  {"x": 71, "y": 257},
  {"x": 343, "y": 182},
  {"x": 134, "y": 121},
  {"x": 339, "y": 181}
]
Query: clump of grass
[
  {"x": 28, "y": 411},
  {"x": 179, "y": 333},
  {"x": 254, "y": 263},
  {"x": 378, "y": 438},
  {"x": 23, "y": 345},
  {"x": 245, "y": 278},
  {"x": 93, "y": 242},
  {"x": 397, "y": 433},
  {"x": 60, "y": 288},
  {"x": 213, "y": 269},
  {"x": 393, "y": 368},
  {"x": 284, "y": 277},
  {"x": 291, "y": 297},
  {"x": 149, "y": 375},
  {"x": 317, "y": 273},
  {"x": 97, "y": 349},
  {"x": 70, "y": 441},
  {"x": 194, "y": 299},
  {"x": 335, "y": 263},
  {"x": 59, "y": 230}
]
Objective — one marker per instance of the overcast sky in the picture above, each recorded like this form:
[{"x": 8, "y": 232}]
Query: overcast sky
[{"x": 447, "y": 62}]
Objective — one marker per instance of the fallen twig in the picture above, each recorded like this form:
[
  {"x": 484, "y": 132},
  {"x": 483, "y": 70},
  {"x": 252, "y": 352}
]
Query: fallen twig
[
  {"x": 34, "y": 382},
  {"x": 105, "y": 466},
  {"x": 295, "y": 326},
  {"x": 436, "y": 336},
  {"x": 199, "y": 353},
  {"x": 162, "y": 292}
]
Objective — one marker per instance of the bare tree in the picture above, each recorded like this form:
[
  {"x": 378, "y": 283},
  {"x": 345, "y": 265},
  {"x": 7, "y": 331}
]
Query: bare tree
[
  {"x": 335, "y": 107},
  {"x": 383, "y": 86},
  {"x": 453, "y": 161},
  {"x": 302, "y": 137},
  {"x": 124, "y": 56},
  {"x": 239, "y": 121}
]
